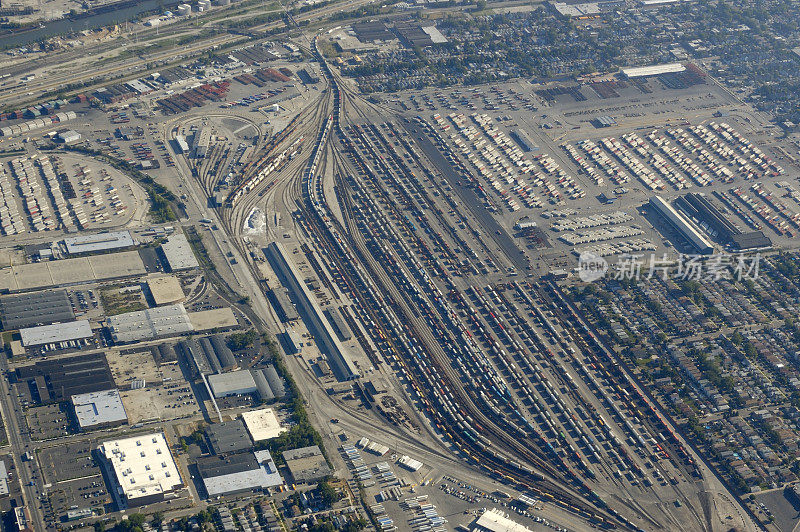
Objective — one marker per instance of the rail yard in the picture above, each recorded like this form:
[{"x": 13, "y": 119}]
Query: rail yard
[{"x": 331, "y": 297}]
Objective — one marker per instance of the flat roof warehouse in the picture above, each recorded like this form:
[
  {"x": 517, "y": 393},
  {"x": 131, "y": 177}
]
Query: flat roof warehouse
[
  {"x": 38, "y": 308},
  {"x": 98, "y": 242}
]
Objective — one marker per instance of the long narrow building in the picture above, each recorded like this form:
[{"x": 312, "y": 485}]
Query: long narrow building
[
  {"x": 682, "y": 225},
  {"x": 311, "y": 312}
]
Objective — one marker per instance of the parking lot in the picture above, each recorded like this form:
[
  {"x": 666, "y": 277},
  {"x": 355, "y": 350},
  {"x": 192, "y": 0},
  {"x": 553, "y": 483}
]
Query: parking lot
[
  {"x": 172, "y": 400},
  {"x": 48, "y": 422},
  {"x": 55, "y": 469}
]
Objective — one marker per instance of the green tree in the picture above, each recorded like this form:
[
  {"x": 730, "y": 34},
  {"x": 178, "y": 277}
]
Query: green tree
[{"x": 328, "y": 493}]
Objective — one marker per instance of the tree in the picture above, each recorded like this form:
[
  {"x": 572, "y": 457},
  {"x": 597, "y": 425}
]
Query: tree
[
  {"x": 133, "y": 523},
  {"x": 157, "y": 520},
  {"x": 480, "y": 5},
  {"x": 328, "y": 493},
  {"x": 99, "y": 526}
]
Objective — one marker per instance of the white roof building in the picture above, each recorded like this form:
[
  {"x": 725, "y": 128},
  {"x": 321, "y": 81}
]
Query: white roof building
[
  {"x": 56, "y": 333},
  {"x": 232, "y": 383},
  {"x": 149, "y": 324},
  {"x": 142, "y": 467},
  {"x": 240, "y": 472},
  {"x": 179, "y": 253},
  {"x": 98, "y": 242},
  {"x": 496, "y": 521},
  {"x": 262, "y": 424},
  {"x": 97, "y": 409},
  {"x": 654, "y": 70}
]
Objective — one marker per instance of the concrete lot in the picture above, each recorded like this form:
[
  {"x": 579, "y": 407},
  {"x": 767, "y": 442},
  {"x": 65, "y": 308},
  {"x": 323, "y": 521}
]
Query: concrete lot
[{"x": 129, "y": 366}]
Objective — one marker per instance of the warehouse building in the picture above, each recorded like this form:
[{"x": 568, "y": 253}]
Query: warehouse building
[
  {"x": 228, "y": 437},
  {"x": 654, "y": 70},
  {"x": 70, "y": 272},
  {"x": 77, "y": 245},
  {"x": 35, "y": 308},
  {"x": 682, "y": 225},
  {"x": 339, "y": 324},
  {"x": 224, "y": 354},
  {"x": 96, "y": 410},
  {"x": 752, "y": 241},
  {"x": 279, "y": 298},
  {"x": 165, "y": 289},
  {"x": 217, "y": 353},
  {"x": 57, "y": 380},
  {"x": 149, "y": 324},
  {"x": 195, "y": 357},
  {"x": 275, "y": 381},
  {"x": 521, "y": 137},
  {"x": 238, "y": 473},
  {"x": 495, "y": 520},
  {"x": 699, "y": 207},
  {"x": 262, "y": 424},
  {"x": 57, "y": 333},
  {"x": 142, "y": 469},
  {"x": 234, "y": 383},
  {"x": 306, "y": 464},
  {"x": 164, "y": 354},
  {"x": 178, "y": 253},
  {"x": 327, "y": 339}
]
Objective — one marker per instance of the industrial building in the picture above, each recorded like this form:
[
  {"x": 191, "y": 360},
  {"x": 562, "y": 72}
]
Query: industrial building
[
  {"x": 698, "y": 207},
  {"x": 682, "y": 225},
  {"x": 200, "y": 142},
  {"x": 149, "y": 324},
  {"x": 164, "y": 354},
  {"x": 752, "y": 241},
  {"x": 96, "y": 410},
  {"x": 178, "y": 253},
  {"x": 77, "y": 245},
  {"x": 234, "y": 383},
  {"x": 228, "y": 437},
  {"x": 339, "y": 324},
  {"x": 165, "y": 289},
  {"x": 274, "y": 381},
  {"x": 57, "y": 333},
  {"x": 208, "y": 355},
  {"x": 654, "y": 70},
  {"x": 523, "y": 140},
  {"x": 35, "y": 308},
  {"x": 57, "y": 380},
  {"x": 69, "y": 136},
  {"x": 279, "y": 298},
  {"x": 306, "y": 464},
  {"x": 495, "y": 520},
  {"x": 312, "y": 314},
  {"x": 191, "y": 351},
  {"x": 3, "y": 479},
  {"x": 69, "y": 272},
  {"x": 237, "y": 473},
  {"x": 142, "y": 469},
  {"x": 262, "y": 424}
]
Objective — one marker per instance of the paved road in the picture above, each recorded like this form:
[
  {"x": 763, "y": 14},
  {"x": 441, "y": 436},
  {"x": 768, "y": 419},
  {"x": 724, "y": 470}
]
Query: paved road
[{"x": 19, "y": 439}]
